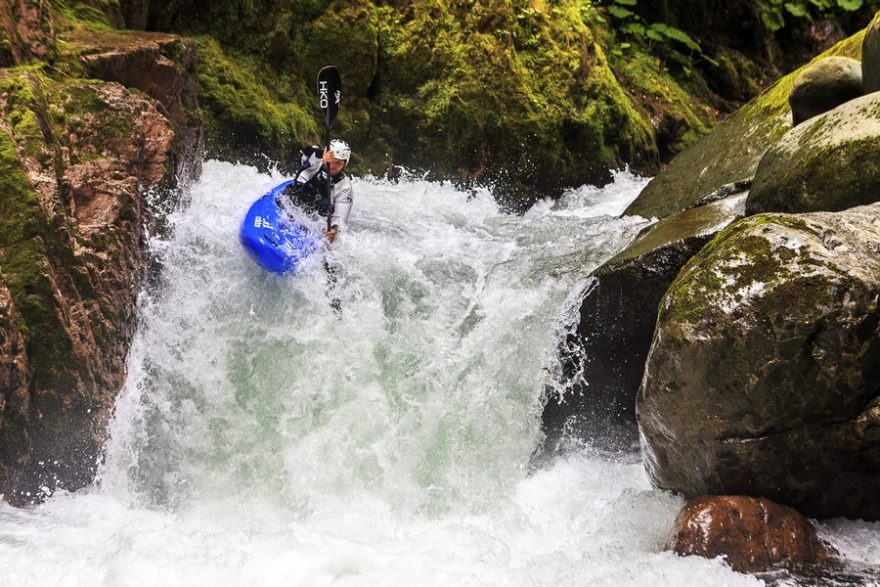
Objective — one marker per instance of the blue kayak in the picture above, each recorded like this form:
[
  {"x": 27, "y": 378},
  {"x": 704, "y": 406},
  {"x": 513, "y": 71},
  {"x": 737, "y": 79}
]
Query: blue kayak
[{"x": 272, "y": 239}]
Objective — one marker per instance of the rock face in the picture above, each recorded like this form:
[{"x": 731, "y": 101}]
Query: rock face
[
  {"x": 603, "y": 358},
  {"x": 752, "y": 534},
  {"x": 823, "y": 85},
  {"x": 27, "y": 29},
  {"x": 163, "y": 67},
  {"x": 871, "y": 57},
  {"x": 732, "y": 151},
  {"x": 764, "y": 371},
  {"x": 77, "y": 158},
  {"x": 829, "y": 163}
]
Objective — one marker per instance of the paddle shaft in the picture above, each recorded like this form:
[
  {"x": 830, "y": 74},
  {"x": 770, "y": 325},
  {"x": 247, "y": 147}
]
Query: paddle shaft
[{"x": 329, "y": 97}]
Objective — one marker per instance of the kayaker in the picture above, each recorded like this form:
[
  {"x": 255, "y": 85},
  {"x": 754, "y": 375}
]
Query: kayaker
[{"x": 309, "y": 191}]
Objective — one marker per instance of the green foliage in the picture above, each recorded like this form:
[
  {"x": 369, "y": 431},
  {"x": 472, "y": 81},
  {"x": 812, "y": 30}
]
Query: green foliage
[
  {"x": 632, "y": 25},
  {"x": 775, "y": 13}
]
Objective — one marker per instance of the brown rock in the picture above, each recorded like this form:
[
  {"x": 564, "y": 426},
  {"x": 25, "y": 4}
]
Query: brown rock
[
  {"x": 72, "y": 220},
  {"x": 753, "y": 534},
  {"x": 27, "y": 29},
  {"x": 141, "y": 61},
  {"x": 824, "y": 85}
]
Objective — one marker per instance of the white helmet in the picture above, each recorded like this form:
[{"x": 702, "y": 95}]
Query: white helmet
[{"x": 340, "y": 149}]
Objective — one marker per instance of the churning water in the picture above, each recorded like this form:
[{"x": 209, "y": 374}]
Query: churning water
[{"x": 264, "y": 439}]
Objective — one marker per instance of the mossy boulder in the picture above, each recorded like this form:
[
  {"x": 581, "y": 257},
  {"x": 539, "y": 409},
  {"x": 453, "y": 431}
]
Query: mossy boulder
[
  {"x": 604, "y": 355},
  {"x": 483, "y": 92},
  {"x": 831, "y": 162},
  {"x": 823, "y": 85},
  {"x": 871, "y": 57},
  {"x": 763, "y": 373},
  {"x": 732, "y": 151}
]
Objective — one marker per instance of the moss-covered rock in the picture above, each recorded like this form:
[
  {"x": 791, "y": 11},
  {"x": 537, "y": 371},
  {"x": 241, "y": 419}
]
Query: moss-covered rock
[
  {"x": 823, "y": 85},
  {"x": 603, "y": 357},
  {"x": 730, "y": 152},
  {"x": 248, "y": 117},
  {"x": 77, "y": 157},
  {"x": 27, "y": 31},
  {"x": 528, "y": 96},
  {"x": 871, "y": 57},
  {"x": 831, "y": 162},
  {"x": 763, "y": 373}
]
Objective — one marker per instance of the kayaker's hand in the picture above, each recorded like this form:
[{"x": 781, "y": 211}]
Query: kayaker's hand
[
  {"x": 328, "y": 157},
  {"x": 330, "y": 234}
]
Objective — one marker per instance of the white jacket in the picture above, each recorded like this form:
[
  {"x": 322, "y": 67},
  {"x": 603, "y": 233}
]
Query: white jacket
[{"x": 341, "y": 194}]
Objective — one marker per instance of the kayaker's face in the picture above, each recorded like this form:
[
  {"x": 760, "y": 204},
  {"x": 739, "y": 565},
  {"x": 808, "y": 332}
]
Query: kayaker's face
[
  {"x": 333, "y": 163},
  {"x": 336, "y": 165}
]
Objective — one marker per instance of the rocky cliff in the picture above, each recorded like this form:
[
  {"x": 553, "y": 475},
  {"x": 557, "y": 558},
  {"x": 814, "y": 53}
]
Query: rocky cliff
[{"x": 95, "y": 129}]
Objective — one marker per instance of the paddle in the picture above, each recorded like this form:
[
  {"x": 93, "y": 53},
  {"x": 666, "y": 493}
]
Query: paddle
[{"x": 329, "y": 96}]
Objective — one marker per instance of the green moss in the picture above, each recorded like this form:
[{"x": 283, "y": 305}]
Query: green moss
[
  {"x": 682, "y": 115},
  {"x": 89, "y": 15},
  {"x": 738, "y": 257},
  {"x": 244, "y": 112},
  {"x": 24, "y": 264},
  {"x": 24, "y": 107}
]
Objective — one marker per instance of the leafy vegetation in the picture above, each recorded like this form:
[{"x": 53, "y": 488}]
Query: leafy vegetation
[
  {"x": 775, "y": 13},
  {"x": 632, "y": 25}
]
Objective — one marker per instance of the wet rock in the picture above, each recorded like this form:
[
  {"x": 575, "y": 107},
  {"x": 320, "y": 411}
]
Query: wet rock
[
  {"x": 752, "y": 534},
  {"x": 78, "y": 159},
  {"x": 732, "y": 151},
  {"x": 163, "y": 67},
  {"x": 27, "y": 30},
  {"x": 829, "y": 163},
  {"x": 825, "y": 84},
  {"x": 763, "y": 373},
  {"x": 603, "y": 358},
  {"x": 871, "y": 57}
]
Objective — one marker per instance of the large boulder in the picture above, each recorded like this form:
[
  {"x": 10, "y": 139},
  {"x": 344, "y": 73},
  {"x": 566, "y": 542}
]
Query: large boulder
[
  {"x": 763, "y": 374},
  {"x": 829, "y": 163},
  {"x": 871, "y": 57},
  {"x": 752, "y": 534},
  {"x": 823, "y": 85},
  {"x": 730, "y": 152},
  {"x": 603, "y": 357}
]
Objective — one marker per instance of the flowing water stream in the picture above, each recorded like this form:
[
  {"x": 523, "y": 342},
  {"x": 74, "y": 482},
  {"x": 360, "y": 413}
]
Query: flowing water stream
[{"x": 264, "y": 439}]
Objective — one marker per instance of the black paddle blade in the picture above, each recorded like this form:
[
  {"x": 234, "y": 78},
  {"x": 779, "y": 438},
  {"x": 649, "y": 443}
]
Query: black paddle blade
[{"x": 329, "y": 94}]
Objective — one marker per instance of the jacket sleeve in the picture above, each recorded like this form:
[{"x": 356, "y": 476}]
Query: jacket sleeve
[
  {"x": 343, "y": 197},
  {"x": 312, "y": 159}
]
